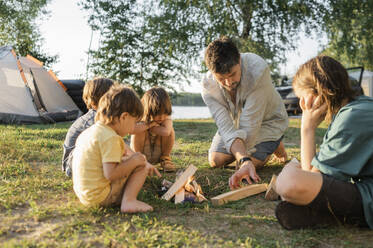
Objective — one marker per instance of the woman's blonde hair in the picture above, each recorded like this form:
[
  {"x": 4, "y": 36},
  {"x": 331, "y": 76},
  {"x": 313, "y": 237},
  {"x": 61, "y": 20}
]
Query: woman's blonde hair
[
  {"x": 156, "y": 101},
  {"x": 326, "y": 77},
  {"x": 117, "y": 100},
  {"x": 94, "y": 89}
]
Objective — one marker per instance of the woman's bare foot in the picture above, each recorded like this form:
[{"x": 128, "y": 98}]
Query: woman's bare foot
[
  {"x": 135, "y": 206},
  {"x": 280, "y": 154}
]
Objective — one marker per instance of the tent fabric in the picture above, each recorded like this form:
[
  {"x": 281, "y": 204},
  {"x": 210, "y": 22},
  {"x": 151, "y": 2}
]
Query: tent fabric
[
  {"x": 14, "y": 96},
  {"x": 8, "y": 118},
  {"x": 40, "y": 99},
  {"x": 53, "y": 95}
]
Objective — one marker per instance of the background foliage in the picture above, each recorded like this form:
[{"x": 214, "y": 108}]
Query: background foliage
[
  {"x": 154, "y": 42},
  {"x": 129, "y": 51},
  {"x": 18, "y": 27},
  {"x": 161, "y": 42},
  {"x": 349, "y": 28},
  {"x": 187, "y": 99}
]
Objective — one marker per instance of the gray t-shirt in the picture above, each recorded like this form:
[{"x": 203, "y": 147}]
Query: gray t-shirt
[
  {"x": 346, "y": 152},
  {"x": 79, "y": 125}
]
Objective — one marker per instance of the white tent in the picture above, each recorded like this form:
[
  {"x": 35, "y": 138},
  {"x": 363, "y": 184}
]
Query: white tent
[{"x": 29, "y": 93}]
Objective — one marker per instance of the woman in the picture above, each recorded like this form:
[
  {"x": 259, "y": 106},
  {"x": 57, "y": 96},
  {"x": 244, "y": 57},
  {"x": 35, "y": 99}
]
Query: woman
[{"x": 334, "y": 185}]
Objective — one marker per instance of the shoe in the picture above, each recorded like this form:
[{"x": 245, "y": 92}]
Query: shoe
[
  {"x": 292, "y": 217},
  {"x": 167, "y": 164}
]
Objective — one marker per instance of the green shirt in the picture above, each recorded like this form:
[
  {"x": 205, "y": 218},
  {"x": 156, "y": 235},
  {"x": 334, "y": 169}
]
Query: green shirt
[{"x": 347, "y": 150}]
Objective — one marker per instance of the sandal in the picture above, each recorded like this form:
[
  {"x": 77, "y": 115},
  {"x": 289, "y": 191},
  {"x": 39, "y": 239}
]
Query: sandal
[{"x": 167, "y": 164}]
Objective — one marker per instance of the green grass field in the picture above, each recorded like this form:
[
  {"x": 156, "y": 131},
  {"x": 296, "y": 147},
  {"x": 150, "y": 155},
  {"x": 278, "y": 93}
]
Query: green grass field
[{"x": 39, "y": 209}]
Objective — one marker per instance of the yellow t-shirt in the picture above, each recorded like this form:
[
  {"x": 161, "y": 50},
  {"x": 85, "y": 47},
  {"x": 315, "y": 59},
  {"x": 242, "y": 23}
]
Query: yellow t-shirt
[{"x": 96, "y": 145}]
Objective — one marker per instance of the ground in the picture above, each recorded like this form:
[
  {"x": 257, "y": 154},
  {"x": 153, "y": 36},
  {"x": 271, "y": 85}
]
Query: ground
[{"x": 39, "y": 209}]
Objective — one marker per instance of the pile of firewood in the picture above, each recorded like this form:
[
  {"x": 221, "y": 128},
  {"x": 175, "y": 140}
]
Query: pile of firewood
[{"x": 185, "y": 188}]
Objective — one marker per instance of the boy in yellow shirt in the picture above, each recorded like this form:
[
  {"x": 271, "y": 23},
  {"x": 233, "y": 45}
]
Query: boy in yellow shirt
[{"x": 105, "y": 171}]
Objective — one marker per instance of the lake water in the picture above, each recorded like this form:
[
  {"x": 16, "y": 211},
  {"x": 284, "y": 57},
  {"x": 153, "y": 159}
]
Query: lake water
[{"x": 190, "y": 112}]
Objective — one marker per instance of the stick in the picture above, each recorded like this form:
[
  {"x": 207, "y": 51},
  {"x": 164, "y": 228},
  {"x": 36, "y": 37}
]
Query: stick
[
  {"x": 180, "y": 182},
  {"x": 271, "y": 194},
  {"x": 166, "y": 183},
  {"x": 239, "y": 194},
  {"x": 179, "y": 196}
]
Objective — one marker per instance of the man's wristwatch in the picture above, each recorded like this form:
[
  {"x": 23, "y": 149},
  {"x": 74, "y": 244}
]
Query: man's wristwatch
[{"x": 243, "y": 160}]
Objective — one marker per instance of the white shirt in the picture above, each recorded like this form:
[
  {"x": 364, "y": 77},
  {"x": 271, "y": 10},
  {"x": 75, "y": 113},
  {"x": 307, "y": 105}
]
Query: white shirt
[{"x": 259, "y": 112}]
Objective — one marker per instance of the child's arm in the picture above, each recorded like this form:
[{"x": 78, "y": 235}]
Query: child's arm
[
  {"x": 114, "y": 171},
  {"x": 142, "y": 127},
  {"x": 128, "y": 163},
  {"x": 164, "y": 129},
  {"x": 128, "y": 150}
]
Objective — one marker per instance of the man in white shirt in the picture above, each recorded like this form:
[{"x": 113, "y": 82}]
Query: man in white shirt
[{"x": 248, "y": 111}]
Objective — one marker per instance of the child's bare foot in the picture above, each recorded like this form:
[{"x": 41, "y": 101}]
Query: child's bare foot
[{"x": 135, "y": 206}]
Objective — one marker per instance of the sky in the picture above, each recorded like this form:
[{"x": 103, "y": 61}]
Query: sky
[{"x": 67, "y": 34}]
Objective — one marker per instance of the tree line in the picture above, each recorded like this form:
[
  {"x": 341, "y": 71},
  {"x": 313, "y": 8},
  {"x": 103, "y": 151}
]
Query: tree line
[
  {"x": 187, "y": 99},
  {"x": 159, "y": 42}
]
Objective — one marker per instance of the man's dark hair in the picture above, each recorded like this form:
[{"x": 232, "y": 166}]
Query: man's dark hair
[{"x": 221, "y": 55}]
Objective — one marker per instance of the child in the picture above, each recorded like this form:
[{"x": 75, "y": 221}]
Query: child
[
  {"x": 104, "y": 172},
  {"x": 155, "y": 136},
  {"x": 92, "y": 92},
  {"x": 335, "y": 184}
]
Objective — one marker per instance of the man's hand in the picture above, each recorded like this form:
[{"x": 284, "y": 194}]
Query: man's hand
[
  {"x": 151, "y": 170},
  {"x": 247, "y": 171},
  {"x": 314, "y": 111}
]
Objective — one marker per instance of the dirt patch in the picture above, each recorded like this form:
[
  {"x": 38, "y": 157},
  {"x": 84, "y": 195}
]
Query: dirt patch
[
  {"x": 28, "y": 230},
  {"x": 21, "y": 224}
]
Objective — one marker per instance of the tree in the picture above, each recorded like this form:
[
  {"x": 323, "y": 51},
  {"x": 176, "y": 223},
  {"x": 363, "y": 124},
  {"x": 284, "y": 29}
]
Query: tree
[
  {"x": 128, "y": 51},
  {"x": 186, "y": 99},
  {"x": 18, "y": 27},
  {"x": 264, "y": 27},
  {"x": 349, "y": 28},
  {"x": 156, "y": 42}
]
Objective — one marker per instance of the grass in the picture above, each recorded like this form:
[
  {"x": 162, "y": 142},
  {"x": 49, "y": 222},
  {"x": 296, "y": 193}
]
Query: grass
[{"x": 39, "y": 209}]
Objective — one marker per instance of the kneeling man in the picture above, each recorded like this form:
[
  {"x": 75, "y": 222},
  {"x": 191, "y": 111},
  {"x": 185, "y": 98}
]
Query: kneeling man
[{"x": 248, "y": 111}]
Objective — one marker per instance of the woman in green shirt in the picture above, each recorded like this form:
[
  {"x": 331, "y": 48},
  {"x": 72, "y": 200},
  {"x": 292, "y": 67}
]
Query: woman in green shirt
[{"x": 334, "y": 185}]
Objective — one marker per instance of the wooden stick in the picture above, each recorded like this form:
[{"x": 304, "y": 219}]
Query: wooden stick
[
  {"x": 167, "y": 184},
  {"x": 239, "y": 194},
  {"x": 271, "y": 194},
  {"x": 179, "y": 196},
  {"x": 180, "y": 182}
]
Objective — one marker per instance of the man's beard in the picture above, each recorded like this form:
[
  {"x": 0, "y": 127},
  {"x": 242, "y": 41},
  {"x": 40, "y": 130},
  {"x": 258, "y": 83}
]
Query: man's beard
[{"x": 233, "y": 86}]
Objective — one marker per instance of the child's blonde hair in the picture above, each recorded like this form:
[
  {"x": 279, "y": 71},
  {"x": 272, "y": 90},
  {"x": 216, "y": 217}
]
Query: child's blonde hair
[
  {"x": 117, "y": 100},
  {"x": 94, "y": 89},
  {"x": 326, "y": 77},
  {"x": 156, "y": 101}
]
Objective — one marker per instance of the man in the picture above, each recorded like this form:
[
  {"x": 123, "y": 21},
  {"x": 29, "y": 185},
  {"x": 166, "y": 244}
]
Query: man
[{"x": 248, "y": 111}]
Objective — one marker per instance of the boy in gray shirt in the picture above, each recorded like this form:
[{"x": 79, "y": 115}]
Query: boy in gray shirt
[{"x": 92, "y": 92}]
